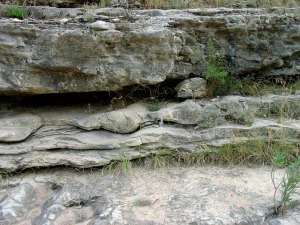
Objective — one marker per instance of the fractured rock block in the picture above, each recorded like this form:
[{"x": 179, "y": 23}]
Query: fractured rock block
[{"x": 192, "y": 88}]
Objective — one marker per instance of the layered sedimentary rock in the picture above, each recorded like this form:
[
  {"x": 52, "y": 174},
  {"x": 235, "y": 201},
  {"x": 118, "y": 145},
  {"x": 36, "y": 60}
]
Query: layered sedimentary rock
[
  {"x": 81, "y": 50},
  {"x": 73, "y": 137}
]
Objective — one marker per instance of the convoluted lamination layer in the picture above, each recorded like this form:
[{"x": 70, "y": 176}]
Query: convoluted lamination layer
[{"x": 71, "y": 137}]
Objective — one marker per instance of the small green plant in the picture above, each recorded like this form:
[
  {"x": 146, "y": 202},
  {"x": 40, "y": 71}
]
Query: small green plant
[
  {"x": 90, "y": 17},
  {"x": 154, "y": 105},
  {"x": 15, "y": 12},
  {"x": 290, "y": 182},
  {"x": 160, "y": 159},
  {"x": 218, "y": 79},
  {"x": 122, "y": 166},
  {"x": 295, "y": 86}
]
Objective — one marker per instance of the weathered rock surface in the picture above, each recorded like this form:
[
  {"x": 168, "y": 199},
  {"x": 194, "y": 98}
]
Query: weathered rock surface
[
  {"x": 98, "y": 139},
  {"x": 18, "y": 127},
  {"x": 192, "y": 88},
  {"x": 125, "y": 120},
  {"x": 17, "y": 202},
  {"x": 84, "y": 50},
  {"x": 81, "y": 50},
  {"x": 189, "y": 195}
]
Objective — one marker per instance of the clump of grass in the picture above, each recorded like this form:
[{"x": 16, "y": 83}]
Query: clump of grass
[
  {"x": 122, "y": 166},
  {"x": 15, "y": 12},
  {"x": 218, "y": 79},
  {"x": 154, "y": 105},
  {"x": 90, "y": 17},
  {"x": 255, "y": 151},
  {"x": 251, "y": 152},
  {"x": 289, "y": 184},
  {"x": 161, "y": 159},
  {"x": 260, "y": 85},
  {"x": 295, "y": 86}
]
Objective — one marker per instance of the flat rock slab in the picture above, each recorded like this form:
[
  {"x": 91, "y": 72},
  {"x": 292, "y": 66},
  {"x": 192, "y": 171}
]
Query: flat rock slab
[{"x": 173, "y": 195}]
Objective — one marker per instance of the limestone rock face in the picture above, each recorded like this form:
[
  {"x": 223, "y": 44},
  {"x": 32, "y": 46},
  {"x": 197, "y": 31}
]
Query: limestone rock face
[
  {"x": 191, "y": 88},
  {"x": 79, "y": 50},
  {"x": 19, "y": 127}
]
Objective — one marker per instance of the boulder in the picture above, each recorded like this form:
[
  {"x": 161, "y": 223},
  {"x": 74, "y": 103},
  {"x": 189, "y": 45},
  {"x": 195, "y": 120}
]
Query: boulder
[
  {"x": 123, "y": 121},
  {"x": 191, "y": 88}
]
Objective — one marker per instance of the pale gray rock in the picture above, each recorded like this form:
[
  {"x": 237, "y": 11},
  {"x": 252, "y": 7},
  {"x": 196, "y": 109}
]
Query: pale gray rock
[
  {"x": 102, "y": 25},
  {"x": 69, "y": 197},
  {"x": 183, "y": 70},
  {"x": 98, "y": 139},
  {"x": 192, "y": 88},
  {"x": 18, "y": 127},
  {"x": 68, "y": 146},
  {"x": 17, "y": 202}
]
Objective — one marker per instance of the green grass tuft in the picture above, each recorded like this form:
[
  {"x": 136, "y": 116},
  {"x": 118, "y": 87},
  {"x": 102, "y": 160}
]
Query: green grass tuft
[{"x": 15, "y": 12}]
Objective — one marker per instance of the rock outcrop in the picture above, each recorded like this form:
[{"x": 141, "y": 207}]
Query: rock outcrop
[
  {"x": 81, "y": 50},
  {"x": 61, "y": 52}
]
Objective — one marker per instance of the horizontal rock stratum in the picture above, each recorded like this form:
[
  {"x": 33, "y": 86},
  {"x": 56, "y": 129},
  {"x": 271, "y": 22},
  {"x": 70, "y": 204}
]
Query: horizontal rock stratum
[
  {"x": 70, "y": 136},
  {"x": 84, "y": 50}
]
